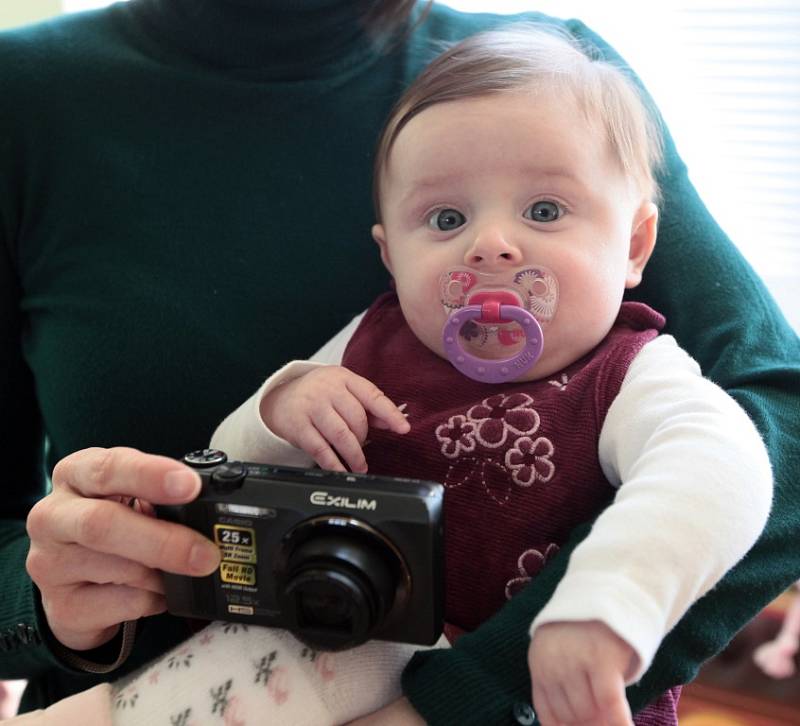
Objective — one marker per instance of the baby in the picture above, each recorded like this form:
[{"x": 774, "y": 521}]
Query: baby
[{"x": 515, "y": 196}]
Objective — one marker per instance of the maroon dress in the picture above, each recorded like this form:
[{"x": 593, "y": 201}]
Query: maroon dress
[{"x": 518, "y": 460}]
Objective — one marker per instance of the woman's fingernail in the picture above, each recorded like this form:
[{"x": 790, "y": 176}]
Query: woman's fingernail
[
  {"x": 180, "y": 484},
  {"x": 203, "y": 558}
]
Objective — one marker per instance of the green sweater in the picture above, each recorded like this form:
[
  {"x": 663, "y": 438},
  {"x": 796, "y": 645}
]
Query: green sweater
[{"x": 185, "y": 205}]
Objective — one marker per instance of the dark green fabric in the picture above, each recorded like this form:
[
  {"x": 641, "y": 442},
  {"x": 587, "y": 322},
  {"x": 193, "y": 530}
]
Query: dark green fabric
[{"x": 185, "y": 205}]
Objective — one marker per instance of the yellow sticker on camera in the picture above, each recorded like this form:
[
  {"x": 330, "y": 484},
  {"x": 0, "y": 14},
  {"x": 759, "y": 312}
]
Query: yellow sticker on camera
[
  {"x": 237, "y": 573},
  {"x": 237, "y": 544}
]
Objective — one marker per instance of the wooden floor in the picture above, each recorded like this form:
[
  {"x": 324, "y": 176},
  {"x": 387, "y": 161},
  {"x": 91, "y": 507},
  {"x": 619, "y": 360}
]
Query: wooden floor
[{"x": 731, "y": 690}]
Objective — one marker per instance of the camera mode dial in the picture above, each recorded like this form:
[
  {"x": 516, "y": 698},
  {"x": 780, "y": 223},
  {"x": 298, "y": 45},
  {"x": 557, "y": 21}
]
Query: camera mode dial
[{"x": 204, "y": 458}]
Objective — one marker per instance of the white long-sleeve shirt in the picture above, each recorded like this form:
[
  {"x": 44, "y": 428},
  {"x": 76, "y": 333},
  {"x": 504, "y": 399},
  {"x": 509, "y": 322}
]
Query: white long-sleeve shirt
[{"x": 694, "y": 492}]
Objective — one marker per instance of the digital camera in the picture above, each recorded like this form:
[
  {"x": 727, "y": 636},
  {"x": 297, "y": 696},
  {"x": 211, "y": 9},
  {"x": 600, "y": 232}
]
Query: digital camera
[{"x": 336, "y": 558}]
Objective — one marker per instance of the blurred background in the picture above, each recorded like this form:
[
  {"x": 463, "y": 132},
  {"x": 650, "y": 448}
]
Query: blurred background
[{"x": 726, "y": 76}]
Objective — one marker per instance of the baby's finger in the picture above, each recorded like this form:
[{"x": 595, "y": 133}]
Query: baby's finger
[
  {"x": 378, "y": 404},
  {"x": 336, "y": 431},
  {"x": 608, "y": 688},
  {"x": 314, "y": 444},
  {"x": 353, "y": 413}
]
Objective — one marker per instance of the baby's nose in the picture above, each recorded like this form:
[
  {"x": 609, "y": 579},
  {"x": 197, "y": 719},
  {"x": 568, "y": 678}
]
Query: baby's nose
[{"x": 492, "y": 246}]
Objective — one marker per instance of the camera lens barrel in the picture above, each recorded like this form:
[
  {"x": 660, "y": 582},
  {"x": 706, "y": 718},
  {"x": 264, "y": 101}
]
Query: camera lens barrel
[{"x": 337, "y": 587}]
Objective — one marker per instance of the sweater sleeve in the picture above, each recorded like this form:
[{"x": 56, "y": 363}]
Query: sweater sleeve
[
  {"x": 243, "y": 435},
  {"x": 719, "y": 311},
  {"x": 695, "y": 492},
  {"x": 23, "y": 651}
]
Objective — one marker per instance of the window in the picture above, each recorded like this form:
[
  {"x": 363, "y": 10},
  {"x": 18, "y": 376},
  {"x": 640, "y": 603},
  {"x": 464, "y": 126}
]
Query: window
[{"x": 71, "y": 6}]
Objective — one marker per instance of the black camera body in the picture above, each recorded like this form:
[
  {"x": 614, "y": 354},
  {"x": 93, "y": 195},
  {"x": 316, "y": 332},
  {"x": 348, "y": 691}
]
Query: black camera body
[{"x": 336, "y": 558}]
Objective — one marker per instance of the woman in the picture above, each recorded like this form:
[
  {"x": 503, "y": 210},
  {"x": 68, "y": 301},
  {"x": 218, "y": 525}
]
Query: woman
[{"x": 165, "y": 164}]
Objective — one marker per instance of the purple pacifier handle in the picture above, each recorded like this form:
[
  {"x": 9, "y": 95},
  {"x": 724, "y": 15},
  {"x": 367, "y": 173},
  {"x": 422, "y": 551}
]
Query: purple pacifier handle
[{"x": 493, "y": 371}]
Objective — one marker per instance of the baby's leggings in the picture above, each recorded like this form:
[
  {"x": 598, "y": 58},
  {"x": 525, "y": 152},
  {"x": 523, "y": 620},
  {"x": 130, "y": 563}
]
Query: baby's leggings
[{"x": 233, "y": 675}]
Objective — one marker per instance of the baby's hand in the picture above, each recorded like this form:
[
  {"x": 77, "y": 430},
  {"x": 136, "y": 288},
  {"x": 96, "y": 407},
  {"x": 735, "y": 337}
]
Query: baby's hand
[
  {"x": 578, "y": 672},
  {"x": 327, "y": 413}
]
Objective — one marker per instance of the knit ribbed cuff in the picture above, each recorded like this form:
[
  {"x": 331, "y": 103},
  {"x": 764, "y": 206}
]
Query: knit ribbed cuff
[{"x": 24, "y": 651}]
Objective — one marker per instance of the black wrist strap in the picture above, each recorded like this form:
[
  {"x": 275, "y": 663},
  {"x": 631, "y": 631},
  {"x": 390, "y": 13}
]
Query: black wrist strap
[{"x": 76, "y": 660}]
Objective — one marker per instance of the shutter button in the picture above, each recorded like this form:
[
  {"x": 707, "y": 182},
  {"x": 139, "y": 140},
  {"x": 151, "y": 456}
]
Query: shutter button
[
  {"x": 524, "y": 713},
  {"x": 228, "y": 477}
]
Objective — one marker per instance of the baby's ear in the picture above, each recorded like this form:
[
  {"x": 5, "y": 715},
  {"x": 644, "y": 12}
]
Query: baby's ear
[
  {"x": 379, "y": 235},
  {"x": 643, "y": 240}
]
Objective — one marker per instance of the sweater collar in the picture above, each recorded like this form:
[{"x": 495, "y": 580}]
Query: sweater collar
[{"x": 282, "y": 39}]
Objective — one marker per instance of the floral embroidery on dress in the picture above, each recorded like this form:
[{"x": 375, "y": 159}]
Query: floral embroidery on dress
[
  {"x": 498, "y": 421},
  {"x": 495, "y": 480},
  {"x": 529, "y": 460},
  {"x": 462, "y": 471},
  {"x": 529, "y": 564},
  {"x": 479, "y": 471},
  {"x": 455, "y": 436},
  {"x": 561, "y": 384},
  {"x": 499, "y": 415}
]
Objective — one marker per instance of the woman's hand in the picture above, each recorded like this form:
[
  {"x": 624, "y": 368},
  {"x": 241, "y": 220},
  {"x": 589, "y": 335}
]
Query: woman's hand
[{"x": 95, "y": 559}]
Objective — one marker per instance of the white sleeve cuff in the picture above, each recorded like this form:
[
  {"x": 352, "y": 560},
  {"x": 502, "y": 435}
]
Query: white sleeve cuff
[{"x": 617, "y": 603}]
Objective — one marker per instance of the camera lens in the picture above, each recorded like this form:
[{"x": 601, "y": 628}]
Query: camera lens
[
  {"x": 330, "y": 605},
  {"x": 328, "y": 609},
  {"x": 338, "y": 588}
]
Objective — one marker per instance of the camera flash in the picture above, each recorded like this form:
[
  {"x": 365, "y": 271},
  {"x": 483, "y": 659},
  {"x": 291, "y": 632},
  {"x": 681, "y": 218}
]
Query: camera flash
[{"x": 245, "y": 510}]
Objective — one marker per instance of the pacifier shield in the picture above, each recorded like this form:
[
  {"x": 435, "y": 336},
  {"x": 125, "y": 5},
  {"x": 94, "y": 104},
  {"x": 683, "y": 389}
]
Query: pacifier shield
[{"x": 535, "y": 288}]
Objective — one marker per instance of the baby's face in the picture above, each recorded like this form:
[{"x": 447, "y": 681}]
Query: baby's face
[{"x": 505, "y": 182}]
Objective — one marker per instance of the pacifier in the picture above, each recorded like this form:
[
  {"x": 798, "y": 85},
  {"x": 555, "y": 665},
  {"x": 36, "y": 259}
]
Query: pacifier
[{"x": 493, "y": 331}]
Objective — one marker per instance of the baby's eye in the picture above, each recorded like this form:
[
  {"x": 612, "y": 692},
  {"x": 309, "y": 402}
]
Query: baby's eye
[
  {"x": 446, "y": 220},
  {"x": 544, "y": 211}
]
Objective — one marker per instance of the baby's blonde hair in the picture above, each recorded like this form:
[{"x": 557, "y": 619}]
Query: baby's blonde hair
[{"x": 527, "y": 56}]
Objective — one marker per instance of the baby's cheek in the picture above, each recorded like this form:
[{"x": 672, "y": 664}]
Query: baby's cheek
[{"x": 426, "y": 326}]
